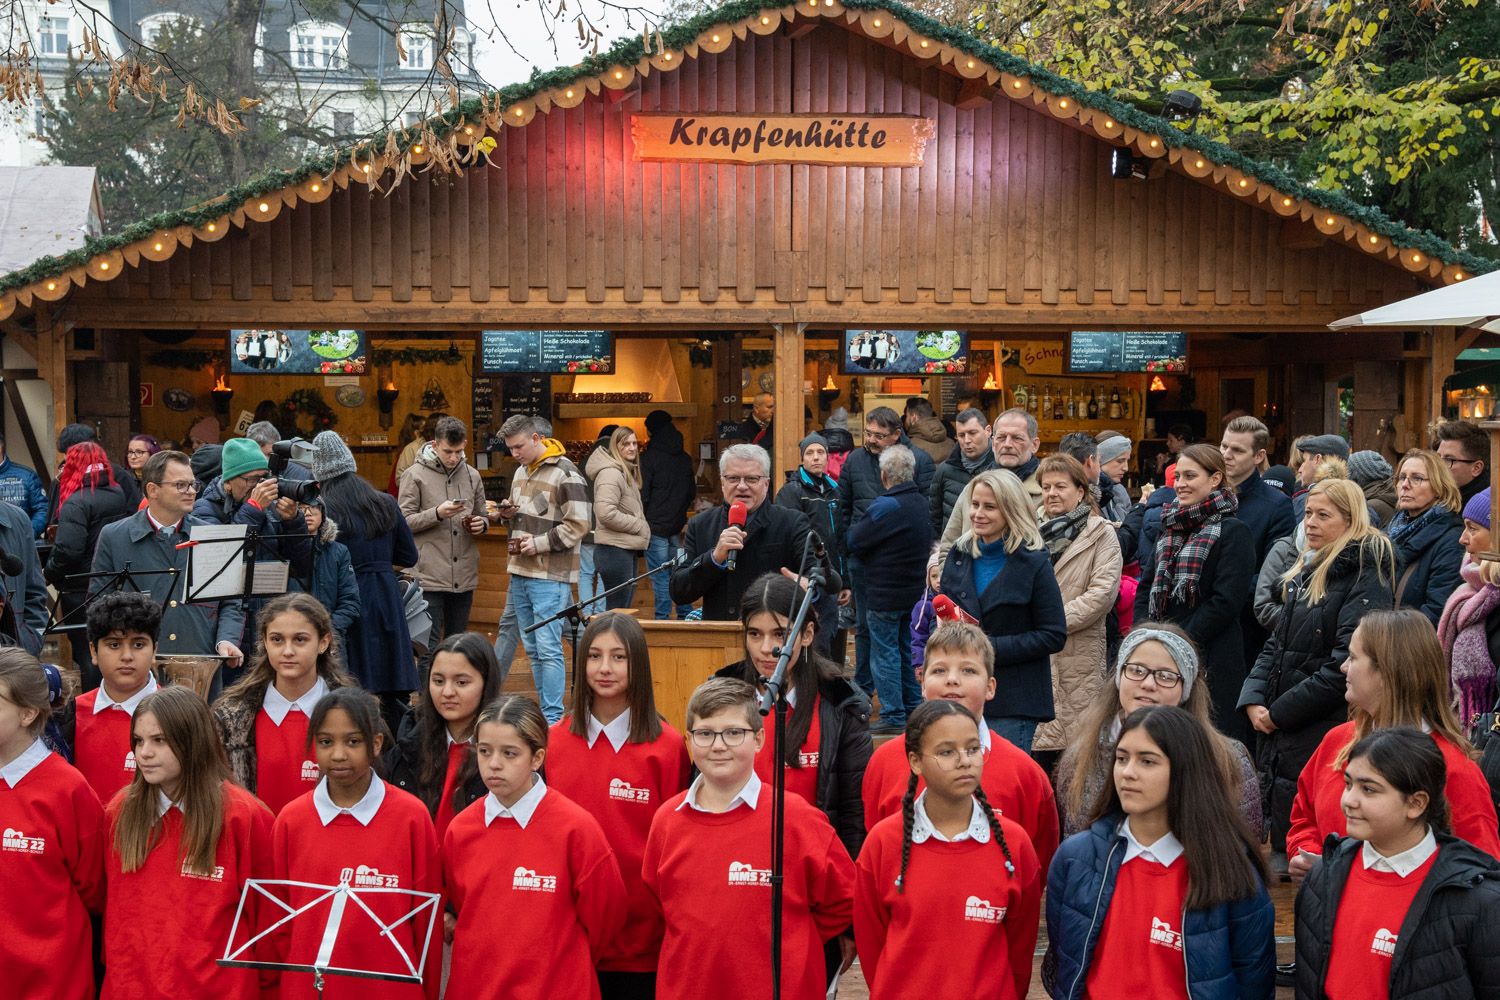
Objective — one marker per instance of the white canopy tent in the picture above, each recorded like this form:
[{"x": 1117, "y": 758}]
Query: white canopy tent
[{"x": 1474, "y": 302}]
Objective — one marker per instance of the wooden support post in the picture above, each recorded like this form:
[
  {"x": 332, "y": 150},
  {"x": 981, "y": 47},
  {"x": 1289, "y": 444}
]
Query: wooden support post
[
  {"x": 1492, "y": 427},
  {"x": 1444, "y": 359},
  {"x": 52, "y": 365},
  {"x": 789, "y": 399}
]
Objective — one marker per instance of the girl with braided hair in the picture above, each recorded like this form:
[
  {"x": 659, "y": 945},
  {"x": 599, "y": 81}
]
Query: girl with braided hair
[{"x": 948, "y": 867}]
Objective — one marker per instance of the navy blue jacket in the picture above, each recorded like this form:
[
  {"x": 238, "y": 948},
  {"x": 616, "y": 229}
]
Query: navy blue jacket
[
  {"x": 1151, "y": 523},
  {"x": 1229, "y": 951},
  {"x": 892, "y": 543},
  {"x": 1267, "y": 512},
  {"x": 23, "y": 487},
  {"x": 1427, "y": 564},
  {"x": 859, "y": 481},
  {"x": 1022, "y": 613}
]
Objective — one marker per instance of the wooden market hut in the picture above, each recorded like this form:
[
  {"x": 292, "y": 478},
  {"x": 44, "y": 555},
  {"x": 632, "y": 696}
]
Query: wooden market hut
[{"x": 993, "y": 210}]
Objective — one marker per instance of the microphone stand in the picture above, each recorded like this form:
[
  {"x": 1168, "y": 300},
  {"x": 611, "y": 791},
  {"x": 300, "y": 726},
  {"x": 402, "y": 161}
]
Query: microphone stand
[{"x": 774, "y": 698}]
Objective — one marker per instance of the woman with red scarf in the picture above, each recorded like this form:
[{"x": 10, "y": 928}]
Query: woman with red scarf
[
  {"x": 1200, "y": 575},
  {"x": 88, "y": 498}
]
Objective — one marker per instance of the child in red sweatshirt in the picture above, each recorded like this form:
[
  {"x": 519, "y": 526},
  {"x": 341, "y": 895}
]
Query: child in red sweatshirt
[
  {"x": 122, "y": 629},
  {"x": 183, "y": 840},
  {"x": 960, "y": 666},
  {"x": 534, "y": 881},
  {"x": 708, "y": 862},
  {"x": 353, "y": 829},
  {"x": 932, "y": 873},
  {"x": 52, "y": 852},
  {"x": 615, "y": 757}
]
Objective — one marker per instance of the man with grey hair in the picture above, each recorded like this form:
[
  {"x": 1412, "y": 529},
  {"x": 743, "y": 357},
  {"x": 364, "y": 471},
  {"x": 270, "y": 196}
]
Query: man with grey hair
[
  {"x": 892, "y": 543},
  {"x": 265, "y": 434},
  {"x": 773, "y": 539},
  {"x": 1015, "y": 439}
]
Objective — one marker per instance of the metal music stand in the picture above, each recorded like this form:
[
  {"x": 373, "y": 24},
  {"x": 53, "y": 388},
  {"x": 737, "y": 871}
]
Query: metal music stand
[
  {"x": 121, "y": 579},
  {"x": 340, "y": 898}
]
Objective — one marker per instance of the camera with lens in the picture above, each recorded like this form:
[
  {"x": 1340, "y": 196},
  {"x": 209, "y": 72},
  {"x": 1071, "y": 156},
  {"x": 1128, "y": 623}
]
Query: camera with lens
[{"x": 285, "y": 453}]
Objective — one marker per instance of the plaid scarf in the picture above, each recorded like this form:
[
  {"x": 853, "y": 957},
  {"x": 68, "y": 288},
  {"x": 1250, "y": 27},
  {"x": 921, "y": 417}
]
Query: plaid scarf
[
  {"x": 1187, "y": 535},
  {"x": 1058, "y": 532}
]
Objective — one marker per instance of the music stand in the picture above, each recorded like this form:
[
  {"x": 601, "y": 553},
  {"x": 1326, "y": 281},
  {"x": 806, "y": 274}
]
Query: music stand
[
  {"x": 339, "y": 897},
  {"x": 222, "y": 564},
  {"x": 118, "y": 580}
]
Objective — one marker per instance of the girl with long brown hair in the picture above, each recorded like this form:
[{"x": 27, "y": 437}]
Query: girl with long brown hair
[
  {"x": 1395, "y": 675},
  {"x": 183, "y": 840},
  {"x": 621, "y": 532}
]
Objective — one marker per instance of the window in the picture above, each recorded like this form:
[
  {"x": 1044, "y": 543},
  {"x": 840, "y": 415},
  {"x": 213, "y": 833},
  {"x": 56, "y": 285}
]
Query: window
[
  {"x": 343, "y": 123},
  {"x": 461, "y": 52},
  {"x": 52, "y": 36},
  {"x": 412, "y": 119},
  {"x": 43, "y": 122},
  {"x": 416, "y": 46},
  {"x": 319, "y": 45},
  {"x": 153, "y": 26}
]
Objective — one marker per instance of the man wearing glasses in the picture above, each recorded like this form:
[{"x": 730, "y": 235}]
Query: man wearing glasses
[
  {"x": 1463, "y": 447},
  {"x": 772, "y": 539},
  {"x": 147, "y": 541}
]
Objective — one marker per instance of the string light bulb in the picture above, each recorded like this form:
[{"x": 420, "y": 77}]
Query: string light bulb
[
  {"x": 877, "y": 22},
  {"x": 1198, "y": 163},
  {"x": 316, "y": 187},
  {"x": 1459, "y": 276},
  {"x": 1243, "y": 183},
  {"x": 1109, "y": 123},
  {"x": 156, "y": 246},
  {"x": 51, "y": 286},
  {"x": 924, "y": 43},
  {"x": 569, "y": 91},
  {"x": 415, "y": 149},
  {"x": 213, "y": 227},
  {"x": 104, "y": 265},
  {"x": 715, "y": 37},
  {"x": 1063, "y": 104},
  {"x": 264, "y": 207}
]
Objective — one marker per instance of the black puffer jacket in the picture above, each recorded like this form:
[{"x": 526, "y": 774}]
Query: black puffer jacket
[
  {"x": 1297, "y": 675},
  {"x": 775, "y": 539},
  {"x": 667, "y": 484},
  {"x": 859, "y": 481},
  {"x": 1448, "y": 945},
  {"x": 818, "y": 498},
  {"x": 948, "y": 482},
  {"x": 844, "y": 750},
  {"x": 1428, "y": 559},
  {"x": 401, "y": 765},
  {"x": 78, "y": 525}
]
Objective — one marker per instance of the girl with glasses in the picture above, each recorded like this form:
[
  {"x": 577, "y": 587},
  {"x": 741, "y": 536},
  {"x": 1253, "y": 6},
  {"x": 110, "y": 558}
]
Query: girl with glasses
[
  {"x": 1425, "y": 533},
  {"x": 1157, "y": 665},
  {"x": 948, "y": 868}
]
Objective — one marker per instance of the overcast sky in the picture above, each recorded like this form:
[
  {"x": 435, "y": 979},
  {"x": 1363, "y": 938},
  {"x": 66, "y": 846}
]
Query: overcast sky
[{"x": 526, "y": 44}]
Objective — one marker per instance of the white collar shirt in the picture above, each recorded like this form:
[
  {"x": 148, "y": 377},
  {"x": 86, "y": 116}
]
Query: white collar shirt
[
  {"x": 1164, "y": 852},
  {"x": 103, "y": 702},
  {"x": 23, "y": 765},
  {"x": 1402, "y": 864},
  {"x": 363, "y": 811},
  {"x": 617, "y": 730},
  {"x": 525, "y": 806},
  {"x": 278, "y": 706},
  {"x": 748, "y": 795},
  {"x": 922, "y": 829}
]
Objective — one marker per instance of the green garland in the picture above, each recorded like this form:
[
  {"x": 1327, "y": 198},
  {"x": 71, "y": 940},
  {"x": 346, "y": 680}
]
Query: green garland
[
  {"x": 190, "y": 360},
  {"x": 417, "y": 355},
  {"x": 629, "y": 51},
  {"x": 308, "y": 403}
]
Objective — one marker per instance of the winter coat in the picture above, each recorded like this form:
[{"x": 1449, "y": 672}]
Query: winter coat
[
  {"x": 401, "y": 765},
  {"x": 332, "y": 581},
  {"x": 128, "y": 482},
  {"x": 667, "y": 482},
  {"x": 1151, "y": 524},
  {"x": 79, "y": 522},
  {"x": 1229, "y": 951},
  {"x": 27, "y": 590},
  {"x": 215, "y": 506},
  {"x": 818, "y": 498},
  {"x": 619, "y": 516},
  {"x": 1448, "y": 944},
  {"x": 1266, "y": 511},
  {"x": 1088, "y": 575},
  {"x": 958, "y": 517},
  {"x": 447, "y": 556},
  {"x": 1214, "y": 621},
  {"x": 1297, "y": 676},
  {"x": 931, "y": 436},
  {"x": 235, "y": 719},
  {"x": 1380, "y": 496},
  {"x": 774, "y": 540},
  {"x": 859, "y": 482},
  {"x": 1428, "y": 560},
  {"x": 891, "y": 545},
  {"x": 21, "y": 486},
  {"x": 1114, "y": 499},
  {"x": 1268, "y": 584},
  {"x": 948, "y": 483},
  {"x": 844, "y": 750},
  {"x": 379, "y": 652},
  {"x": 840, "y": 444},
  {"x": 1022, "y": 613}
]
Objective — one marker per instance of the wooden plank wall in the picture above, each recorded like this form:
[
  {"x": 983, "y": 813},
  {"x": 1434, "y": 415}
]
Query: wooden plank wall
[{"x": 1010, "y": 206}]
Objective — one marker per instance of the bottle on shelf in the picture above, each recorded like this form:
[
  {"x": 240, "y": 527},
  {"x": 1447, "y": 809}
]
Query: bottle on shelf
[
  {"x": 1047, "y": 402},
  {"x": 1031, "y": 400},
  {"x": 1114, "y": 403},
  {"x": 1058, "y": 412},
  {"x": 1093, "y": 404},
  {"x": 1072, "y": 407}
]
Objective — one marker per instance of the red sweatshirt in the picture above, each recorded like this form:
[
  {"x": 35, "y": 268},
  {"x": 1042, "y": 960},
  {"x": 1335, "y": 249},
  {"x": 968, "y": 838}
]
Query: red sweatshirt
[
  {"x": 803, "y": 779},
  {"x": 284, "y": 768},
  {"x": 622, "y": 791},
  {"x": 1371, "y": 912},
  {"x": 101, "y": 746},
  {"x": 1139, "y": 951},
  {"x": 52, "y": 871},
  {"x": 711, "y": 873},
  {"x": 398, "y": 850},
  {"x": 458, "y": 753},
  {"x": 164, "y": 927},
  {"x": 958, "y": 894},
  {"x": 536, "y": 906},
  {"x": 1015, "y": 785},
  {"x": 1316, "y": 812}
]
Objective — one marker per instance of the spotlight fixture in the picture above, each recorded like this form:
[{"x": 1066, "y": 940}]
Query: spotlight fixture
[
  {"x": 1183, "y": 104},
  {"x": 1123, "y": 165}
]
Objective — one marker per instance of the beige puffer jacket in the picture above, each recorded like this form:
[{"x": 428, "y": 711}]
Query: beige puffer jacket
[
  {"x": 447, "y": 558},
  {"x": 1088, "y": 574},
  {"x": 619, "y": 515}
]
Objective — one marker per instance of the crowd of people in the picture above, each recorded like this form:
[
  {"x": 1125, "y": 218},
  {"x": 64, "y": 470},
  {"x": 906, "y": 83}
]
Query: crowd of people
[{"x": 1126, "y": 716}]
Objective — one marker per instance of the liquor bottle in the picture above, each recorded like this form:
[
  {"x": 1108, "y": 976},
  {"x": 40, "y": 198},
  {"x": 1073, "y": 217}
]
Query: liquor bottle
[
  {"x": 1031, "y": 397},
  {"x": 1058, "y": 412},
  {"x": 1047, "y": 402},
  {"x": 1018, "y": 396},
  {"x": 1093, "y": 404},
  {"x": 1072, "y": 408},
  {"x": 1114, "y": 403}
]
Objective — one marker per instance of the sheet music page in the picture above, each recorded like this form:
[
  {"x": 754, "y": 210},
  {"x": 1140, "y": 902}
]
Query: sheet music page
[{"x": 216, "y": 567}]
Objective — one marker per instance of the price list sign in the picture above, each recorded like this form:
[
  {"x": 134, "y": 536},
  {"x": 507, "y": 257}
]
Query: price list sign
[
  {"x": 1093, "y": 351},
  {"x": 552, "y": 352}
]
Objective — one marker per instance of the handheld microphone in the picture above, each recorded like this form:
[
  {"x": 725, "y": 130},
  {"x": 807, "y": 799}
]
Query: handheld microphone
[
  {"x": 737, "y": 515},
  {"x": 946, "y": 611}
]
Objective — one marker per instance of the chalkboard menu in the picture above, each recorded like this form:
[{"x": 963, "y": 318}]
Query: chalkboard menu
[
  {"x": 483, "y": 400},
  {"x": 561, "y": 352},
  {"x": 1119, "y": 351},
  {"x": 527, "y": 394}
]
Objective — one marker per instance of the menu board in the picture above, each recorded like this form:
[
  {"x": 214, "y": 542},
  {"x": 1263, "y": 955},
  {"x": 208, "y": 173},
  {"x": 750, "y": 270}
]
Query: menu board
[
  {"x": 560, "y": 352},
  {"x": 482, "y": 399},
  {"x": 905, "y": 352},
  {"x": 527, "y": 394},
  {"x": 1092, "y": 351}
]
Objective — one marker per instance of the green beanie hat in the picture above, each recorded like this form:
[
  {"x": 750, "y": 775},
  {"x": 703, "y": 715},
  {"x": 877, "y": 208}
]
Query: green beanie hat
[{"x": 241, "y": 455}]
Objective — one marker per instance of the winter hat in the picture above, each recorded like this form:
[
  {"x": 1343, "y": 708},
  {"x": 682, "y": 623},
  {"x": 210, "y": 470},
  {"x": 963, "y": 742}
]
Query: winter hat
[
  {"x": 1366, "y": 467},
  {"x": 1182, "y": 651},
  {"x": 1478, "y": 508},
  {"x": 607, "y": 430},
  {"x": 1112, "y": 448},
  {"x": 331, "y": 457},
  {"x": 1281, "y": 477},
  {"x": 838, "y": 419},
  {"x": 1325, "y": 444},
  {"x": 205, "y": 431},
  {"x": 657, "y": 419},
  {"x": 241, "y": 455},
  {"x": 811, "y": 439}
]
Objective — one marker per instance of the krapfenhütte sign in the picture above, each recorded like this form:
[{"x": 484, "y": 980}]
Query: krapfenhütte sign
[{"x": 831, "y": 140}]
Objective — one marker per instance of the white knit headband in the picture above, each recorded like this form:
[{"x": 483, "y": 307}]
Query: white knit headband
[{"x": 1181, "y": 650}]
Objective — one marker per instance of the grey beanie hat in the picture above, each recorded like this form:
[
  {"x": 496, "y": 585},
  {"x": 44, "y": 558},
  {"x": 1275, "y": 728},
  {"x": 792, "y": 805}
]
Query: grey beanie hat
[
  {"x": 1366, "y": 467},
  {"x": 1182, "y": 651},
  {"x": 838, "y": 419},
  {"x": 811, "y": 439},
  {"x": 331, "y": 457},
  {"x": 1325, "y": 444},
  {"x": 1112, "y": 448}
]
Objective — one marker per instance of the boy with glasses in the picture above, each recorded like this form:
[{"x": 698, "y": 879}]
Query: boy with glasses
[
  {"x": 708, "y": 864},
  {"x": 1463, "y": 447}
]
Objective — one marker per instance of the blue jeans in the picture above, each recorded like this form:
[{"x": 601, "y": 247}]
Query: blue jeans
[
  {"x": 507, "y": 638},
  {"x": 890, "y": 663},
  {"x": 535, "y": 600},
  {"x": 588, "y": 580},
  {"x": 661, "y": 550},
  {"x": 863, "y": 679},
  {"x": 1015, "y": 730}
]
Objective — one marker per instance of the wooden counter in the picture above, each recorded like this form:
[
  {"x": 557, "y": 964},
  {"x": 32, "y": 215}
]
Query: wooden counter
[{"x": 684, "y": 655}]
